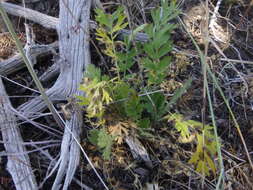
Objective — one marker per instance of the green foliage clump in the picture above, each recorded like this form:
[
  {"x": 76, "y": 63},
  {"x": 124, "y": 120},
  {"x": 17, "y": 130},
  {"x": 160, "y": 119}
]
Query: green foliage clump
[
  {"x": 107, "y": 32},
  {"x": 160, "y": 44},
  {"x": 204, "y": 155},
  {"x": 109, "y": 26},
  {"x": 97, "y": 90},
  {"x": 103, "y": 140},
  {"x": 140, "y": 67}
]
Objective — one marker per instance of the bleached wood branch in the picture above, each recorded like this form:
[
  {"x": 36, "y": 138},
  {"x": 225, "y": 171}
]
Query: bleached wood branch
[
  {"x": 35, "y": 16},
  {"x": 52, "y": 163},
  {"x": 52, "y": 22},
  {"x": 19, "y": 165},
  {"x": 74, "y": 56},
  {"x": 16, "y": 62}
]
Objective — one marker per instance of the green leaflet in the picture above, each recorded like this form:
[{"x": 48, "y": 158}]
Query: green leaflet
[
  {"x": 179, "y": 92},
  {"x": 103, "y": 140},
  {"x": 155, "y": 105},
  {"x": 133, "y": 107}
]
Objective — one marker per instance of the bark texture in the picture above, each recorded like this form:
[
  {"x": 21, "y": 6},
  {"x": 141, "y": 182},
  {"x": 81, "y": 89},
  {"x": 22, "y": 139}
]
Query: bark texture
[{"x": 18, "y": 163}]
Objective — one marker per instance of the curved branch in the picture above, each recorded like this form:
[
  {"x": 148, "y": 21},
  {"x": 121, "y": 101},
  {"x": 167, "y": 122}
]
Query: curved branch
[{"x": 16, "y": 62}]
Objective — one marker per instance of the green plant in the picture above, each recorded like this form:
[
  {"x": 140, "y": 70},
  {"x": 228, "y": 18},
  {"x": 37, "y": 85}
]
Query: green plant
[
  {"x": 156, "y": 106},
  {"x": 107, "y": 32},
  {"x": 204, "y": 155},
  {"x": 103, "y": 140},
  {"x": 97, "y": 90},
  {"x": 121, "y": 94},
  {"x": 133, "y": 102},
  {"x": 207, "y": 69},
  {"x": 156, "y": 61}
]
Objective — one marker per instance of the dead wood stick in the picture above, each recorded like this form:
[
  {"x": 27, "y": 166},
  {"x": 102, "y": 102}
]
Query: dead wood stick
[
  {"x": 35, "y": 16},
  {"x": 138, "y": 150},
  {"x": 52, "y": 22},
  {"x": 16, "y": 62},
  {"x": 74, "y": 55},
  {"x": 52, "y": 163},
  {"x": 19, "y": 165},
  {"x": 50, "y": 73}
]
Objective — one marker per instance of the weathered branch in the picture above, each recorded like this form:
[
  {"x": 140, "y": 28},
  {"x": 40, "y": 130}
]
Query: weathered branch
[
  {"x": 74, "y": 56},
  {"x": 16, "y": 62},
  {"x": 52, "y": 22},
  {"x": 35, "y": 16},
  {"x": 74, "y": 50},
  {"x": 52, "y": 163},
  {"x": 19, "y": 165},
  {"x": 50, "y": 73}
]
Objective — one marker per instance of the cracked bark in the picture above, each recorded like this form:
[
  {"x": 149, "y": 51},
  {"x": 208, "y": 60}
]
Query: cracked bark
[{"x": 75, "y": 55}]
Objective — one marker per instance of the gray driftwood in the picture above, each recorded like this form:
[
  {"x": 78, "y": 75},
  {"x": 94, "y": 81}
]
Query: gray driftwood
[
  {"x": 37, "y": 17},
  {"x": 74, "y": 56},
  {"x": 19, "y": 164},
  {"x": 16, "y": 63},
  {"x": 52, "y": 22}
]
